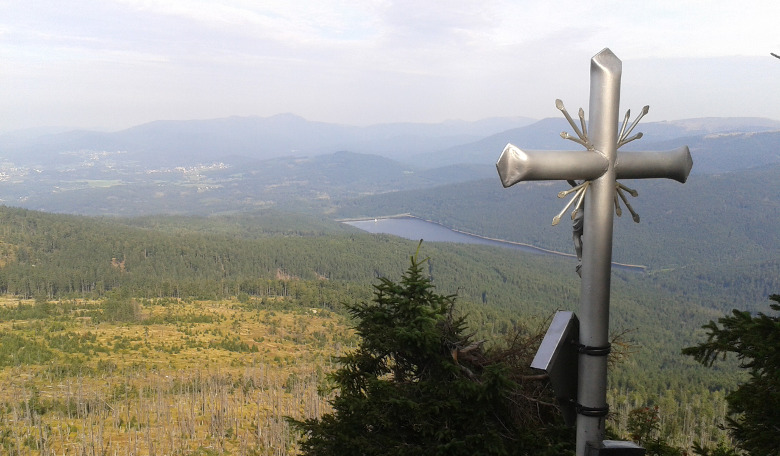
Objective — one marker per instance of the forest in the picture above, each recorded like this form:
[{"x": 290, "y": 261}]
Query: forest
[{"x": 110, "y": 322}]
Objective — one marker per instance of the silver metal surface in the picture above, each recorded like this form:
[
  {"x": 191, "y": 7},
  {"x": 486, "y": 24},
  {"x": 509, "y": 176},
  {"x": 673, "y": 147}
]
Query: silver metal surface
[
  {"x": 557, "y": 355},
  {"x": 516, "y": 165},
  {"x": 674, "y": 164},
  {"x": 605, "y": 72},
  {"x": 616, "y": 448},
  {"x": 600, "y": 165}
]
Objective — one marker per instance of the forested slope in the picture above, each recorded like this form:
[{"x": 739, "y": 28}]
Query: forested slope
[
  {"x": 62, "y": 255},
  {"x": 322, "y": 264},
  {"x": 715, "y": 237}
]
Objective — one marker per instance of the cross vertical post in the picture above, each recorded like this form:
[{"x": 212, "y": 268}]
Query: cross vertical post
[
  {"x": 599, "y": 167},
  {"x": 597, "y": 250}
]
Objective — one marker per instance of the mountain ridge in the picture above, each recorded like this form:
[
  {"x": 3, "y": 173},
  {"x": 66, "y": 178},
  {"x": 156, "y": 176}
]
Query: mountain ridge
[
  {"x": 184, "y": 142},
  {"x": 255, "y": 137},
  {"x": 711, "y": 140}
]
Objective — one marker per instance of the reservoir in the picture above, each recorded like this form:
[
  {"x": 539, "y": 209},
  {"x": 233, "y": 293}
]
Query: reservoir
[{"x": 413, "y": 228}]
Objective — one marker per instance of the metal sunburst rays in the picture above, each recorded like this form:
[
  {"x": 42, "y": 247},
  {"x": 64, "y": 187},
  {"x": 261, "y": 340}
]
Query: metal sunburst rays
[
  {"x": 579, "y": 196},
  {"x": 582, "y": 139}
]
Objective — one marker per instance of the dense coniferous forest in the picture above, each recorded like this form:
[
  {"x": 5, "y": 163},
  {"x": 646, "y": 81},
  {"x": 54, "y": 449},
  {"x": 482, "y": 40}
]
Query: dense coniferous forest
[{"x": 322, "y": 265}]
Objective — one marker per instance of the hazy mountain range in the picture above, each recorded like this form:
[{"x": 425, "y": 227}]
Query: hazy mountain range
[
  {"x": 717, "y": 144},
  {"x": 246, "y": 162},
  {"x": 185, "y": 143},
  {"x": 193, "y": 141}
]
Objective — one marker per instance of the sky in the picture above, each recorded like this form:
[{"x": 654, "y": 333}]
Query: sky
[{"x": 113, "y": 64}]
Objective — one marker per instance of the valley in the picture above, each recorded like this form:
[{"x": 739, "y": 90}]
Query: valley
[{"x": 162, "y": 284}]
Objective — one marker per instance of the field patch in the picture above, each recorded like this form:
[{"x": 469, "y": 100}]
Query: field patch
[{"x": 174, "y": 377}]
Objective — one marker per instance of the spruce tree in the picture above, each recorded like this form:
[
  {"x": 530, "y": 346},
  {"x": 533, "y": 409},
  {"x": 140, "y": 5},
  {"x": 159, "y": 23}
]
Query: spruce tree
[
  {"x": 419, "y": 385},
  {"x": 754, "y": 407}
]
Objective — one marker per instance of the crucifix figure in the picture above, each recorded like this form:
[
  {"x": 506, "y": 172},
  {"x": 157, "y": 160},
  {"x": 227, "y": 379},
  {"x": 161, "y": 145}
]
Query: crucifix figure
[
  {"x": 577, "y": 224},
  {"x": 595, "y": 200}
]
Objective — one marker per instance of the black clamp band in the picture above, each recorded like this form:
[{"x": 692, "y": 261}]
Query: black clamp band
[
  {"x": 591, "y": 411},
  {"x": 594, "y": 351}
]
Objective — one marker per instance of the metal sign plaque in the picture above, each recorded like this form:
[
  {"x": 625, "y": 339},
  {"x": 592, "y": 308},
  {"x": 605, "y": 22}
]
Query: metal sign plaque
[
  {"x": 557, "y": 355},
  {"x": 616, "y": 448}
]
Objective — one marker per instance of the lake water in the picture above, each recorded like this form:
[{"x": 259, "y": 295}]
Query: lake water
[{"x": 415, "y": 229}]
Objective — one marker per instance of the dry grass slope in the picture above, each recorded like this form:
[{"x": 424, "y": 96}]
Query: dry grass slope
[{"x": 182, "y": 378}]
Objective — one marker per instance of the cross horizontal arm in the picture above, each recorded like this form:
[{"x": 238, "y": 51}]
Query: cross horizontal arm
[
  {"x": 674, "y": 164},
  {"x": 516, "y": 165}
]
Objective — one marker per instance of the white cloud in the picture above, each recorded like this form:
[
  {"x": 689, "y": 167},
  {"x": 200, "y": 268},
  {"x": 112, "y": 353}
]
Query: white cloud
[{"x": 366, "y": 60}]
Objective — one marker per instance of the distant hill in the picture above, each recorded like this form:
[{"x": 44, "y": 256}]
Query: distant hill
[
  {"x": 171, "y": 142},
  {"x": 241, "y": 163},
  {"x": 724, "y": 152},
  {"x": 186, "y": 143},
  {"x": 100, "y": 186},
  {"x": 717, "y": 144}
]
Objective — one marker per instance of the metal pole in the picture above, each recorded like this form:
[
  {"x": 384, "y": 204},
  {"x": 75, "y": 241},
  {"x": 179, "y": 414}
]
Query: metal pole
[{"x": 606, "y": 70}]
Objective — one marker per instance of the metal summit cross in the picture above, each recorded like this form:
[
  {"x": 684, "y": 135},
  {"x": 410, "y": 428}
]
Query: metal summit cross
[{"x": 597, "y": 167}]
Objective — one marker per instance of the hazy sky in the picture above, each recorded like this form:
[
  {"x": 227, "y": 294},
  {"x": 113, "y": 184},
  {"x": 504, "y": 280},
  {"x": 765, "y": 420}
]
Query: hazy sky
[{"x": 118, "y": 63}]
